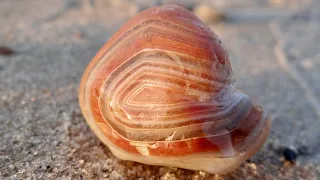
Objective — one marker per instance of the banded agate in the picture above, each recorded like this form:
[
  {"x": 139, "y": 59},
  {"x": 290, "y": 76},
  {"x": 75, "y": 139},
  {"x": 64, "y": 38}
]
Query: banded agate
[{"x": 161, "y": 92}]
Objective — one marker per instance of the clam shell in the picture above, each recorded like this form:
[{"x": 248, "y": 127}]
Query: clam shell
[{"x": 161, "y": 91}]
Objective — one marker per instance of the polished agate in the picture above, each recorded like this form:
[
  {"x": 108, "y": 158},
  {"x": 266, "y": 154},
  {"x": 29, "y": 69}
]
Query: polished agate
[{"x": 161, "y": 91}]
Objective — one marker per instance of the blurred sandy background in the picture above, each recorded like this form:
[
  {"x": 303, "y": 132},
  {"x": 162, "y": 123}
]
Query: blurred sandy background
[{"x": 45, "y": 46}]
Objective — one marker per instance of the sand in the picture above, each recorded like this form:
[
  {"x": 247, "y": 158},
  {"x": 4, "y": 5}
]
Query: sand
[{"x": 274, "y": 51}]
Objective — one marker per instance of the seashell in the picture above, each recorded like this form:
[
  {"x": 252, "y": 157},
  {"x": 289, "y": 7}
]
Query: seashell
[{"x": 161, "y": 92}]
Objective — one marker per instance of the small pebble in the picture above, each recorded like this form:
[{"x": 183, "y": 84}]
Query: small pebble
[
  {"x": 253, "y": 167},
  {"x": 6, "y": 51},
  {"x": 289, "y": 155}
]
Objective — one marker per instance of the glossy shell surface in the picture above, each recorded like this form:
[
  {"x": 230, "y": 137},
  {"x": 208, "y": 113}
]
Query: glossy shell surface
[{"x": 161, "y": 91}]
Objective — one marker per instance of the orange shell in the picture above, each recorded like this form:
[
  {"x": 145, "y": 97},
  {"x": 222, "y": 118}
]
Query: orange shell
[{"x": 161, "y": 91}]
